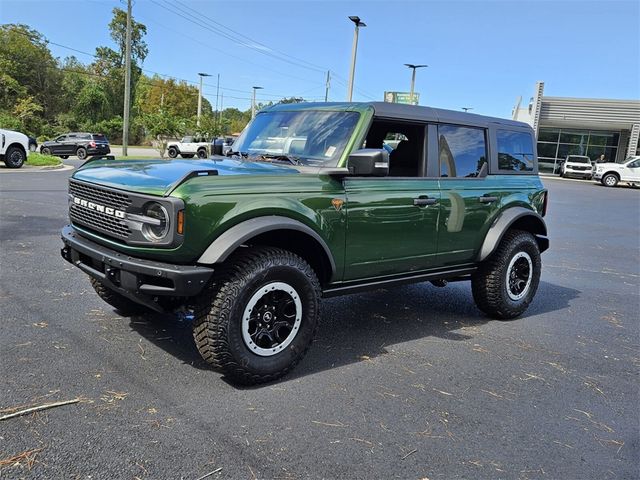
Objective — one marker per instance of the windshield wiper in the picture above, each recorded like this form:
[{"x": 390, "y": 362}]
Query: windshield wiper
[
  {"x": 231, "y": 153},
  {"x": 281, "y": 157}
]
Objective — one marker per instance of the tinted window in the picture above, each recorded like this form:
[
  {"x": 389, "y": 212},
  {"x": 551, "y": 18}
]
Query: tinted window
[
  {"x": 100, "y": 138},
  {"x": 463, "y": 151},
  {"x": 515, "y": 151}
]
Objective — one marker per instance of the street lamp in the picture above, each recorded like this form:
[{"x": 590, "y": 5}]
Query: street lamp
[
  {"x": 200, "y": 97},
  {"x": 358, "y": 23},
  {"x": 253, "y": 101},
  {"x": 466, "y": 109},
  {"x": 413, "y": 78}
]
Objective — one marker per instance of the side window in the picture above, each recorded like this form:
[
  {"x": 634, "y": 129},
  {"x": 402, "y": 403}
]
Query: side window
[
  {"x": 462, "y": 151},
  {"x": 635, "y": 164},
  {"x": 61, "y": 138},
  {"x": 405, "y": 144},
  {"x": 515, "y": 151}
]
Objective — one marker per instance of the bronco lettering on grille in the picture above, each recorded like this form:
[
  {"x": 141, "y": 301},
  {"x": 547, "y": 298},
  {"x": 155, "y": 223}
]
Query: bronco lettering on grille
[{"x": 99, "y": 208}]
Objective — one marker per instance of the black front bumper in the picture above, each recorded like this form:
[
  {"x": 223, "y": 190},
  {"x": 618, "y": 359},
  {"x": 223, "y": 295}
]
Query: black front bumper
[{"x": 140, "y": 280}]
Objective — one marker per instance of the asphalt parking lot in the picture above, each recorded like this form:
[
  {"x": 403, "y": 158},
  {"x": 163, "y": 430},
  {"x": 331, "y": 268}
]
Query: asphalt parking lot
[{"x": 411, "y": 382}]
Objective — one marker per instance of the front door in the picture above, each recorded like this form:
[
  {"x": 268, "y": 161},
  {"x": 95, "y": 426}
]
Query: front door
[
  {"x": 631, "y": 172},
  {"x": 391, "y": 226}
]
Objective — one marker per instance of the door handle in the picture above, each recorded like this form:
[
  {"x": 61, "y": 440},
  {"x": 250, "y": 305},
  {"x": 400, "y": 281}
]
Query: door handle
[
  {"x": 423, "y": 201},
  {"x": 487, "y": 199}
]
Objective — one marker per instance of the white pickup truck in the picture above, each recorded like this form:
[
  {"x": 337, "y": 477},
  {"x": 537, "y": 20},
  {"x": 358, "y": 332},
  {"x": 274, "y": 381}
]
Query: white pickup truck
[
  {"x": 188, "y": 147},
  {"x": 14, "y": 148}
]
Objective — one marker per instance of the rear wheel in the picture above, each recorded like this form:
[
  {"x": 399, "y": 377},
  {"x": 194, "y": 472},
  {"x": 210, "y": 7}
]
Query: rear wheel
[
  {"x": 505, "y": 283},
  {"x": 14, "y": 157},
  {"x": 124, "y": 306},
  {"x": 81, "y": 153},
  {"x": 259, "y": 319},
  {"x": 610, "y": 180}
]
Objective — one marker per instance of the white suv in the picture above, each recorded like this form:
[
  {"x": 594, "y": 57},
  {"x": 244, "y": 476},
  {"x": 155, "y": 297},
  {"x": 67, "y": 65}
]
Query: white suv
[
  {"x": 14, "y": 148},
  {"x": 577, "y": 166},
  {"x": 609, "y": 174},
  {"x": 188, "y": 147}
]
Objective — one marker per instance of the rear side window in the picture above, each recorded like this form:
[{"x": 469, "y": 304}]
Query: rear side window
[
  {"x": 100, "y": 138},
  {"x": 462, "y": 151},
  {"x": 515, "y": 151}
]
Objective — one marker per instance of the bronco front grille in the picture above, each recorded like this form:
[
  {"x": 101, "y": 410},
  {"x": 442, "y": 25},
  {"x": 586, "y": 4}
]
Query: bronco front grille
[{"x": 96, "y": 220}]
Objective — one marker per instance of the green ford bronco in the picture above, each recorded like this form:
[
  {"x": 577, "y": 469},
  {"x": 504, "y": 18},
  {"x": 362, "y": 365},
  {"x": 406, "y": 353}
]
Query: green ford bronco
[{"x": 314, "y": 200}]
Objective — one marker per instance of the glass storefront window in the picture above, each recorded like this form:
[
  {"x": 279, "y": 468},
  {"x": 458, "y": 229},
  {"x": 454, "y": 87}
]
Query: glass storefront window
[
  {"x": 548, "y": 135},
  {"x": 565, "y": 149},
  {"x": 547, "y": 149},
  {"x": 575, "y": 137}
]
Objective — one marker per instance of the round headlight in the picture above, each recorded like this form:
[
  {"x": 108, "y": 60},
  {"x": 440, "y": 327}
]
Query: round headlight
[{"x": 158, "y": 227}]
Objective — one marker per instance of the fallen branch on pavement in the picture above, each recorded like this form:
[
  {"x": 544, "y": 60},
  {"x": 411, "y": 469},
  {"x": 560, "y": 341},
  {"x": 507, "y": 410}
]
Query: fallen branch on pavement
[{"x": 37, "y": 408}]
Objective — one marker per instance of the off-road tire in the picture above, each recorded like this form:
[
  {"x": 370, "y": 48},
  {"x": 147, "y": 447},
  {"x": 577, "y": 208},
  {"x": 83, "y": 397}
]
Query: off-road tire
[
  {"x": 202, "y": 153},
  {"x": 490, "y": 284},
  {"x": 14, "y": 157},
  {"x": 45, "y": 151},
  {"x": 124, "y": 306},
  {"x": 610, "y": 180},
  {"x": 186, "y": 155},
  {"x": 218, "y": 324},
  {"x": 81, "y": 153},
  {"x": 172, "y": 152}
]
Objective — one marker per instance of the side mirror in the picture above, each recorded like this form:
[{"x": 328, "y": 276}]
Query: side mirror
[{"x": 369, "y": 162}]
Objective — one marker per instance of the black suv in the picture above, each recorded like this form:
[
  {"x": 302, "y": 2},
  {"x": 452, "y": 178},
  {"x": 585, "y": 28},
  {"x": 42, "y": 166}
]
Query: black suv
[{"x": 79, "y": 144}]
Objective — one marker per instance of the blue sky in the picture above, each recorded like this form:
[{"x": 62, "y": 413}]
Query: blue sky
[{"x": 481, "y": 54}]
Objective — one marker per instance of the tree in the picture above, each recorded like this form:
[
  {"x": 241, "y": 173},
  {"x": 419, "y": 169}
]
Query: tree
[
  {"x": 161, "y": 126},
  {"x": 27, "y": 113}
]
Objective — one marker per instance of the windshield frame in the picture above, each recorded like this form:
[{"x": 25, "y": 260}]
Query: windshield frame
[{"x": 342, "y": 124}]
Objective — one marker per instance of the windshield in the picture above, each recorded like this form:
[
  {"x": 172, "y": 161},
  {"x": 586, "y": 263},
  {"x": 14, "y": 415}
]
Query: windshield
[
  {"x": 577, "y": 159},
  {"x": 313, "y": 138}
]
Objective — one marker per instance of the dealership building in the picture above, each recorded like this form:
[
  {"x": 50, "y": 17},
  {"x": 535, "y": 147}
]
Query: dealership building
[{"x": 580, "y": 126}]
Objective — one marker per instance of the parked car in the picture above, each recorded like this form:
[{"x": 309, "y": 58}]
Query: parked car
[
  {"x": 80, "y": 144},
  {"x": 189, "y": 146},
  {"x": 33, "y": 144},
  {"x": 14, "y": 148},
  {"x": 246, "y": 247},
  {"x": 610, "y": 173},
  {"x": 221, "y": 145},
  {"x": 577, "y": 166}
]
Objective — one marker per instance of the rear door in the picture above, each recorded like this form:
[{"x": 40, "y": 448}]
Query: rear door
[
  {"x": 392, "y": 221},
  {"x": 469, "y": 200}
]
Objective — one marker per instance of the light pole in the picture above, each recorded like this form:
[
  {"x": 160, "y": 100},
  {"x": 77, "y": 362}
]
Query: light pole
[
  {"x": 200, "y": 97},
  {"x": 356, "y": 20},
  {"x": 413, "y": 78},
  {"x": 253, "y": 102}
]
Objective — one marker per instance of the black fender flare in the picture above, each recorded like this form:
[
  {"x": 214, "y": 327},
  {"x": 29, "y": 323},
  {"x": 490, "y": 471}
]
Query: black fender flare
[
  {"x": 505, "y": 220},
  {"x": 228, "y": 241}
]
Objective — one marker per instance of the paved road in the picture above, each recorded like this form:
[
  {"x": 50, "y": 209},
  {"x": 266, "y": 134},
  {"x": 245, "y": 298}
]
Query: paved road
[{"x": 411, "y": 382}]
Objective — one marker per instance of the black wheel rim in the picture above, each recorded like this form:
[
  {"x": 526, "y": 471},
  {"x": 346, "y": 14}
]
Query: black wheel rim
[
  {"x": 519, "y": 276},
  {"x": 16, "y": 158},
  {"x": 271, "y": 319},
  {"x": 81, "y": 154}
]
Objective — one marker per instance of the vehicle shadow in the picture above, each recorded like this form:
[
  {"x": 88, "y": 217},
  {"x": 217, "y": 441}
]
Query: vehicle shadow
[{"x": 362, "y": 326}]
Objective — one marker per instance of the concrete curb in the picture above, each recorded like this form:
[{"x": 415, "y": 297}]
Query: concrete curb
[{"x": 29, "y": 169}]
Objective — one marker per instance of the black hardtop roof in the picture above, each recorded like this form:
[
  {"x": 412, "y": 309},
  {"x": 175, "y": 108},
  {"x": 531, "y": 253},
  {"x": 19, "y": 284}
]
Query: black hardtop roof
[{"x": 407, "y": 112}]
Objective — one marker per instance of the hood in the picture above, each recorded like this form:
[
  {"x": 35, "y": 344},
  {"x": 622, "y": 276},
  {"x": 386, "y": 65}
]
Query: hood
[{"x": 159, "y": 177}]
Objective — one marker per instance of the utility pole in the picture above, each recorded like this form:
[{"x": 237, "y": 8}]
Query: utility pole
[
  {"x": 127, "y": 83},
  {"x": 358, "y": 23},
  {"x": 413, "y": 78},
  {"x": 253, "y": 102},
  {"x": 328, "y": 85},
  {"x": 200, "y": 98},
  {"x": 217, "y": 94}
]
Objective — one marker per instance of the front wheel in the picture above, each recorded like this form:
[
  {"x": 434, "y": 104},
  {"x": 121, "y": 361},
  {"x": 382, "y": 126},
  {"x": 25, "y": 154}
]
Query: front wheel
[
  {"x": 505, "y": 283},
  {"x": 202, "y": 153},
  {"x": 259, "y": 318},
  {"x": 14, "y": 157},
  {"x": 609, "y": 180},
  {"x": 45, "y": 151}
]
